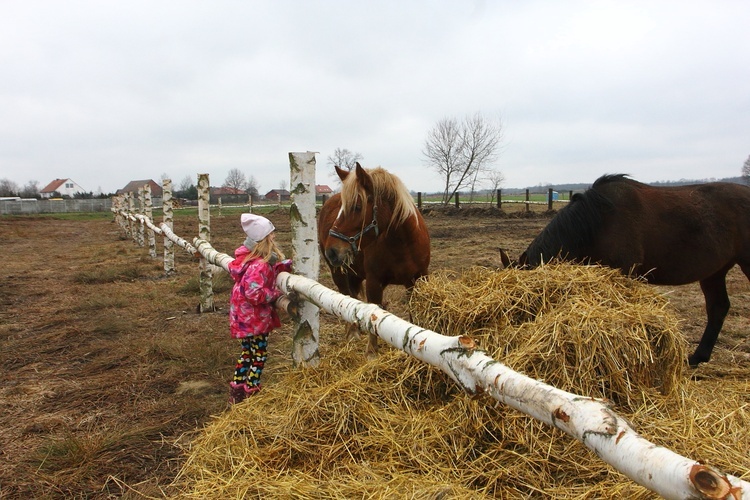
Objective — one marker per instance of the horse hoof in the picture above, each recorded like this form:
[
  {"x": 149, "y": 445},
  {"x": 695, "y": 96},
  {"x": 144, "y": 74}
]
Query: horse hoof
[{"x": 693, "y": 361}]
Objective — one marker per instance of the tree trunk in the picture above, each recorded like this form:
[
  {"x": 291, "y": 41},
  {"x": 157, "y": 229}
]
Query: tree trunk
[
  {"x": 305, "y": 254},
  {"x": 204, "y": 232}
]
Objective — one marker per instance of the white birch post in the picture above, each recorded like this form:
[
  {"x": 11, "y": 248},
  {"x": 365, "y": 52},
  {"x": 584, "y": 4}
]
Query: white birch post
[
  {"x": 204, "y": 233},
  {"x": 149, "y": 216},
  {"x": 305, "y": 254},
  {"x": 168, "y": 220},
  {"x": 590, "y": 421},
  {"x": 140, "y": 211},
  {"x": 131, "y": 221}
]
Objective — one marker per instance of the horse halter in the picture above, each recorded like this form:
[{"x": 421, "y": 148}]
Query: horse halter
[{"x": 352, "y": 240}]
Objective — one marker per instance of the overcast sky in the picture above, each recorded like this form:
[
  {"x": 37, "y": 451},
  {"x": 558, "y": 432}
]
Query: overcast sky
[{"x": 104, "y": 92}]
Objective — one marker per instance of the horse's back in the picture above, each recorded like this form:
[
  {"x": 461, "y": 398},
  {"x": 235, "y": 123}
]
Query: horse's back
[{"x": 674, "y": 235}]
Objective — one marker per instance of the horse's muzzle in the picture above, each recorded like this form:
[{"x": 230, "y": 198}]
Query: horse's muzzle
[{"x": 338, "y": 258}]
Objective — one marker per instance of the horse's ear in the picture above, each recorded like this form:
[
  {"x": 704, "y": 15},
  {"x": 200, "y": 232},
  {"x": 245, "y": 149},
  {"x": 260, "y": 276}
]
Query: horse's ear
[
  {"x": 341, "y": 172},
  {"x": 523, "y": 260},
  {"x": 504, "y": 259},
  {"x": 363, "y": 178}
]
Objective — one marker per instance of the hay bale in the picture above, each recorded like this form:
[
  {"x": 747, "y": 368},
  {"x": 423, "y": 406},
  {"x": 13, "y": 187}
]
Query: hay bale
[{"x": 584, "y": 329}]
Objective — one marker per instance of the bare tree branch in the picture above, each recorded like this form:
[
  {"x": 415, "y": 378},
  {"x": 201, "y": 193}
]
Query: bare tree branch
[
  {"x": 236, "y": 179},
  {"x": 343, "y": 158},
  {"x": 460, "y": 151}
]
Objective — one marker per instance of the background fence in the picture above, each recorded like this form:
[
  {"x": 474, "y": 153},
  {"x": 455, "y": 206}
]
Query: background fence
[{"x": 34, "y": 206}]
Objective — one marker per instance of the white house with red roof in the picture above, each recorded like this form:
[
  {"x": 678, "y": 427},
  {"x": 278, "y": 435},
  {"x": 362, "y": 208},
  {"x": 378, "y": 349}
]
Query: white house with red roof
[{"x": 63, "y": 187}]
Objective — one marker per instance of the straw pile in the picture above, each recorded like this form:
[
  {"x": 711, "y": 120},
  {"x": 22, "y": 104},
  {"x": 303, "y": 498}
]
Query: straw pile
[
  {"x": 395, "y": 427},
  {"x": 583, "y": 329}
]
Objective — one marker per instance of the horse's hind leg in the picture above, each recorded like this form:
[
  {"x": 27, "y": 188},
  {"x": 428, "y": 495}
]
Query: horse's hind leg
[{"x": 717, "y": 306}]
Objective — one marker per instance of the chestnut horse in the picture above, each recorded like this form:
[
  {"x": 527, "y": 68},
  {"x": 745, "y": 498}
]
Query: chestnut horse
[
  {"x": 372, "y": 232},
  {"x": 668, "y": 235}
]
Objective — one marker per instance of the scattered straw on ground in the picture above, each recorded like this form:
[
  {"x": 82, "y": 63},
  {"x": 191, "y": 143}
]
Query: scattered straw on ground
[{"x": 394, "y": 427}]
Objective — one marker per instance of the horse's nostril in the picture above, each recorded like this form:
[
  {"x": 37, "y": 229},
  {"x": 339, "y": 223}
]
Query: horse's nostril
[{"x": 332, "y": 256}]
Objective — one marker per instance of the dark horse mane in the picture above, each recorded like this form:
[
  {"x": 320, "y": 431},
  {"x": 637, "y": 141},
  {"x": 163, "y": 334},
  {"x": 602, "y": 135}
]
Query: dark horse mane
[{"x": 575, "y": 226}]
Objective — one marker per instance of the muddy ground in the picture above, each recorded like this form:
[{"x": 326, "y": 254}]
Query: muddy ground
[{"x": 106, "y": 370}]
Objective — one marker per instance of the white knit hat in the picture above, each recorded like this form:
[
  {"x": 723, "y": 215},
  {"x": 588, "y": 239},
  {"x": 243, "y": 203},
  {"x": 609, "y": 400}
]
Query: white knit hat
[{"x": 256, "y": 228}]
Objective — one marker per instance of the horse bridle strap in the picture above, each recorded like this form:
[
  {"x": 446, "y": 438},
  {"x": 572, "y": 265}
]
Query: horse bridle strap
[{"x": 352, "y": 240}]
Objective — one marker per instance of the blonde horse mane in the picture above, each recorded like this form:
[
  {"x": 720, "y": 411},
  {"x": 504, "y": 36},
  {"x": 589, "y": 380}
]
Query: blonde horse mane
[{"x": 387, "y": 188}]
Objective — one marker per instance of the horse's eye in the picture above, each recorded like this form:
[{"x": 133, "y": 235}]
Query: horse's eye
[{"x": 358, "y": 208}]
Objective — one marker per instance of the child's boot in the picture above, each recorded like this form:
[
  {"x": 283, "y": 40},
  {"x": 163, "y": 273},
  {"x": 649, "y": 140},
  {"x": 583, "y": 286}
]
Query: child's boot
[{"x": 237, "y": 393}]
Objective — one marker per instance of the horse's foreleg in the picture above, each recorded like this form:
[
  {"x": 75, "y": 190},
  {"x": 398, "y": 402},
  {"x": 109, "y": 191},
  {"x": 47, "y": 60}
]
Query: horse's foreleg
[
  {"x": 717, "y": 306},
  {"x": 348, "y": 284}
]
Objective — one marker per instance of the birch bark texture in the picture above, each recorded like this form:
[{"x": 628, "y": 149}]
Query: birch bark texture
[
  {"x": 168, "y": 220},
  {"x": 305, "y": 254},
  {"x": 590, "y": 421},
  {"x": 149, "y": 213},
  {"x": 204, "y": 232}
]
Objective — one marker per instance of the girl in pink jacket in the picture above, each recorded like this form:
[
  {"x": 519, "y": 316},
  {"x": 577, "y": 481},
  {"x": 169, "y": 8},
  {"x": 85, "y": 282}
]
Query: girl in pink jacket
[{"x": 252, "y": 315}]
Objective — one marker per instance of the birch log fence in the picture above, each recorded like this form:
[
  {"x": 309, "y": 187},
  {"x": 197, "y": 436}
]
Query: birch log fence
[{"x": 588, "y": 420}]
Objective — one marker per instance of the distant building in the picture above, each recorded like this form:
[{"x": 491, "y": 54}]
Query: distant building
[
  {"x": 224, "y": 190},
  {"x": 322, "y": 189},
  {"x": 136, "y": 186},
  {"x": 228, "y": 195},
  {"x": 63, "y": 187},
  {"x": 278, "y": 194}
]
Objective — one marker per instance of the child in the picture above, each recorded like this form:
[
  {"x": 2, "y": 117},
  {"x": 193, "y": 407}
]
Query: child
[{"x": 252, "y": 315}]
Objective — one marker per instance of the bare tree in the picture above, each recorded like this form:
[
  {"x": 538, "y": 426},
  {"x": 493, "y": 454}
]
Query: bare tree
[
  {"x": 186, "y": 183},
  {"x": 8, "y": 188},
  {"x": 30, "y": 190},
  {"x": 236, "y": 180},
  {"x": 253, "y": 187},
  {"x": 746, "y": 171},
  {"x": 343, "y": 158},
  {"x": 495, "y": 180},
  {"x": 460, "y": 151}
]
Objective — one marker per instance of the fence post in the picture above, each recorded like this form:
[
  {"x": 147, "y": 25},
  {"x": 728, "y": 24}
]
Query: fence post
[
  {"x": 499, "y": 199},
  {"x": 142, "y": 211},
  {"x": 419, "y": 200},
  {"x": 168, "y": 216},
  {"x": 149, "y": 215},
  {"x": 457, "y": 202},
  {"x": 305, "y": 254},
  {"x": 204, "y": 232},
  {"x": 131, "y": 208},
  {"x": 570, "y": 195},
  {"x": 549, "y": 199},
  {"x": 528, "y": 205}
]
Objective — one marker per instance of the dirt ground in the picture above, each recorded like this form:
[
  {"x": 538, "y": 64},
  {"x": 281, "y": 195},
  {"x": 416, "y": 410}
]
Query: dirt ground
[{"x": 107, "y": 370}]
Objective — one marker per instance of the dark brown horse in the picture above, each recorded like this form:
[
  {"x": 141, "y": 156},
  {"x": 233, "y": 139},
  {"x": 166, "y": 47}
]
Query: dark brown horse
[
  {"x": 669, "y": 235},
  {"x": 373, "y": 232}
]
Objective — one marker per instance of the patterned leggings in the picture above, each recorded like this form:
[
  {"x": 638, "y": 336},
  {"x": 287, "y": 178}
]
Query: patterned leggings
[{"x": 250, "y": 364}]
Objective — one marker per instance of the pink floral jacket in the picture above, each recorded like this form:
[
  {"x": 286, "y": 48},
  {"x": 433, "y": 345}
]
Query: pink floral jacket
[{"x": 251, "y": 310}]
